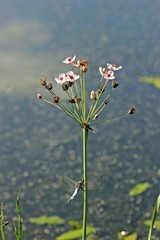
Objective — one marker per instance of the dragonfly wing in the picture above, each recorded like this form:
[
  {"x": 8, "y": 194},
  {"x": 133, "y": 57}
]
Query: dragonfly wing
[{"x": 70, "y": 181}]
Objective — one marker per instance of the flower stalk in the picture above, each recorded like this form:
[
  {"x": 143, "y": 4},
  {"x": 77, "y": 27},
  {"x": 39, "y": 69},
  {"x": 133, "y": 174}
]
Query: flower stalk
[{"x": 85, "y": 195}]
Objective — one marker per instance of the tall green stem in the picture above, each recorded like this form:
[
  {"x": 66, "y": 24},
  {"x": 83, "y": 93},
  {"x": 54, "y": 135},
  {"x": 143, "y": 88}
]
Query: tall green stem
[{"x": 85, "y": 200}]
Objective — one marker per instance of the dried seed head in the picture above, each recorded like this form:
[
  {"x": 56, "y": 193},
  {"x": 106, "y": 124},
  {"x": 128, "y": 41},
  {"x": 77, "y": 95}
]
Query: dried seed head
[
  {"x": 131, "y": 110},
  {"x": 56, "y": 99},
  {"x": 65, "y": 86},
  {"x": 49, "y": 86},
  {"x": 83, "y": 65},
  {"x": 101, "y": 90},
  {"x": 43, "y": 81},
  {"x": 93, "y": 95},
  {"x": 114, "y": 84}
]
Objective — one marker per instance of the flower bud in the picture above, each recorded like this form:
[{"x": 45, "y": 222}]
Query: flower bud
[
  {"x": 106, "y": 101},
  {"x": 101, "y": 90},
  {"x": 77, "y": 99},
  {"x": 49, "y": 86},
  {"x": 72, "y": 100},
  {"x": 56, "y": 99},
  {"x": 131, "y": 110},
  {"x": 93, "y": 95},
  {"x": 114, "y": 84},
  {"x": 43, "y": 81}
]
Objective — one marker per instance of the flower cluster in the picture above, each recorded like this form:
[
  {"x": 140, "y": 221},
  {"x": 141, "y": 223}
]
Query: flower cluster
[{"x": 77, "y": 94}]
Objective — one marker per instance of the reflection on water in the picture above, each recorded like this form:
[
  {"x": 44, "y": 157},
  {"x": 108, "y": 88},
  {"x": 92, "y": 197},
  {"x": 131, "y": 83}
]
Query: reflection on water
[{"x": 39, "y": 144}]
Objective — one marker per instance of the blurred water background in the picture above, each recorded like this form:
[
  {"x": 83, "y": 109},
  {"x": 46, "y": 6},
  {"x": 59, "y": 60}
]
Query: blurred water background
[{"x": 39, "y": 144}]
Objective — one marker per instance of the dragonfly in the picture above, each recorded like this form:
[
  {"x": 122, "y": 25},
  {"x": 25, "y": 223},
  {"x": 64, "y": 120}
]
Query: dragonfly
[
  {"x": 77, "y": 186},
  {"x": 94, "y": 184}
]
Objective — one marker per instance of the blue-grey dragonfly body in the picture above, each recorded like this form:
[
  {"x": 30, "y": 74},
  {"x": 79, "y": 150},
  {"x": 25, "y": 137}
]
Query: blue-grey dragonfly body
[{"x": 77, "y": 185}]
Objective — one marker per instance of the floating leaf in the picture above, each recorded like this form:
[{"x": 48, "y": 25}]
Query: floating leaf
[
  {"x": 73, "y": 234},
  {"x": 158, "y": 172},
  {"x": 138, "y": 189},
  {"x": 47, "y": 220},
  {"x": 131, "y": 236},
  {"x": 156, "y": 223},
  {"x": 155, "y": 81},
  {"x": 74, "y": 224}
]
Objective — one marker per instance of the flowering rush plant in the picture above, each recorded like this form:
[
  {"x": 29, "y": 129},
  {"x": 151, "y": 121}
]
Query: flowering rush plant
[{"x": 83, "y": 111}]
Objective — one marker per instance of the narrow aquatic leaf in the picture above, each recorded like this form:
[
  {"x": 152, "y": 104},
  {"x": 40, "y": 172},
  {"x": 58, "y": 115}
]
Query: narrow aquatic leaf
[
  {"x": 47, "y": 220},
  {"x": 73, "y": 234},
  {"x": 18, "y": 229},
  {"x": 154, "y": 215},
  {"x": 138, "y": 189},
  {"x": 155, "y": 81},
  {"x": 2, "y": 225}
]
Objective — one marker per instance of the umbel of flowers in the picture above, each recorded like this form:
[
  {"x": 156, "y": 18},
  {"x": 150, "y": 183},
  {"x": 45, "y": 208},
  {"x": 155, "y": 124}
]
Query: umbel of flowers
[
  {"x": 74, "y": 85},
  {"x": 83, "y": 111}
]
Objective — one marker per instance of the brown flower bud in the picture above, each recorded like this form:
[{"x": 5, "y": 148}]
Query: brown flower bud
[
  {"x": 72, "y": 100},
  {"x": 101, "y": 90},
  {"x": 106, "y": 101},
  {"x": 93, "y": 95},
  {"x": 56, "y": 99},
  {"x": 43, "y": 81},
  {"x": 77, "y": 99},
  {"x": 49, "y": 86},
  {"x": 114, "y": 84},
  {"x": 131, "y": 110}
]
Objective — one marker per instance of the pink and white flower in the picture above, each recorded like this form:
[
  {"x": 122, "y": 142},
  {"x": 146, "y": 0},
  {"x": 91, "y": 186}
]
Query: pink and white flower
[
  {"x": 106, "y": 74},
  {"x": 61, "y": 78},
  {"x": 69, "y": 60},
  {"x": 113, "y": 67},
  {"x": 109, "y": 75},
  {"x": 102, "y": 71},
  {"x": 71, "y": 76}
]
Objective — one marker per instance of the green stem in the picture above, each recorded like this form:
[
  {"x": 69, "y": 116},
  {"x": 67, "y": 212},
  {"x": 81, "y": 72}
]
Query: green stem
[{"x": 85, "y": 201}]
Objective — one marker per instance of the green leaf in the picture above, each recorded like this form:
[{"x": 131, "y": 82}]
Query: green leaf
[
  {"x": 131, "y": 236},
  {"x": 47, "y": 220},
  {"x": 74, "y": 224},
  {"x": 156, "y": 223},
  {"x": 155, "y": 81},
  {"x": 73, "y": 234},
  {"x": 158, "y": 172},
  {"x": 138, "y": 189}
]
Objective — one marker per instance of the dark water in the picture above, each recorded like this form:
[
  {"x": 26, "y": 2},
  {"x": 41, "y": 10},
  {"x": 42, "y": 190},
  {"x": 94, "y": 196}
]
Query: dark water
[{"x": 39, "y": 144}]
